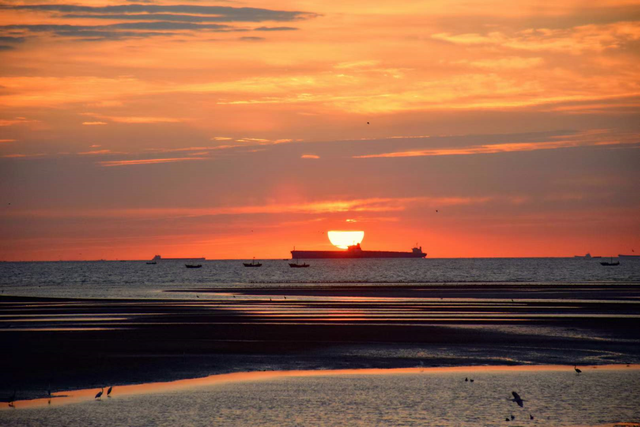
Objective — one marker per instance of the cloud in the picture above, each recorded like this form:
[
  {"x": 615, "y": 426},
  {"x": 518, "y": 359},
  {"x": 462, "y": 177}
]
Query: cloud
[
  {"x": 575, "y": 40},
  {"x": 95, "y": 152},
  {"x": 150, "y": 20},
  {"x": 2, "y": 141},
  {"x": 275, "y": 29},
  {"x": 94, "y": 123},
  {"x": 221, "y": 13},
  {"x": 113, "y": 163},
  {"x": 252, "y": 39},
  {"x": 319, "y": 207},
  {"x": 309, "y": 156},
  {"x": 15, "y": 121},
  {"x": 591, "y": 138}
]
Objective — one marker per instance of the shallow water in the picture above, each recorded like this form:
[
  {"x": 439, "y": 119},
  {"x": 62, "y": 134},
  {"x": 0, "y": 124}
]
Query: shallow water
[
  {"x": 136, "y": 279},
  {"x": 554, "y": 398}
]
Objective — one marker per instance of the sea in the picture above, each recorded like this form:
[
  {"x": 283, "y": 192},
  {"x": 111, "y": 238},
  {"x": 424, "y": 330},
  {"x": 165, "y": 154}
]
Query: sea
[{"x": 137, "y": 279}]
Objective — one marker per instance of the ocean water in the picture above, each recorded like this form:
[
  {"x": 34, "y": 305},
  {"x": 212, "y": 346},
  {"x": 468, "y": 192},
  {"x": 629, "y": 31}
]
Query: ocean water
[
  {"x": 596, "y": 397},
  {"x": 136, "y": 279}
]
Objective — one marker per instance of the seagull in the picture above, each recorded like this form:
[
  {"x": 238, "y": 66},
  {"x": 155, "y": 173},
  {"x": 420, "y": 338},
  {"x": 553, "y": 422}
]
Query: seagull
[
  {"x": 109, "y": 391},
  {"x": 517, "y": 399},
  {"x": 99, "y": 395},
  {"x": 578, "y": 371}
]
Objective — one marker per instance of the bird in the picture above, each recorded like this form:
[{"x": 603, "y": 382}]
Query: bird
[
  {"x": 436, "y": 210},
  {"x": 517, "y": 399},
  {"x": 466, "y": 379},
  {"x": 578, "y": 371},
  {"x": 109, "y": 391},
  {"x": 367, "y": 122},
  {"x": 507, "y": 419},
  {"x": 471, "y": 380},
  {"x": 530, "y": 416},
  {"x": 99, "y": 395},
  {"x": 512, "y": 417}
]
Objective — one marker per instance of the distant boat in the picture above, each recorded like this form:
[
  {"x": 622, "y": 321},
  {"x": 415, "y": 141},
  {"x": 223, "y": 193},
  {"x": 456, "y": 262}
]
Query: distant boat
[
  {"x": 151, "y": 263},
  {"x": 252, "y": 264},
  {"x": 159, "y": 258},
  {"x": 628, "y": 256},
  {"x": 296, "y": 265},
  {"x": 587, "y": 256},
  {"x": 610, "y": 263},
  {"x": 193, "y": 265}
]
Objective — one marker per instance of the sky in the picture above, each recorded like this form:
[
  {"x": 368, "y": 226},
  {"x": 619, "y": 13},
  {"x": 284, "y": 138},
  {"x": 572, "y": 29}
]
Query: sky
[{"x": 240, "y": 129}]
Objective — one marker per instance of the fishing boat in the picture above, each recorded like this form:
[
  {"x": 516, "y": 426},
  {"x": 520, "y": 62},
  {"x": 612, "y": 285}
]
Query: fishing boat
[
  {"x": 296, "y": 265},
  {"x": 252, "y": 264},
  {"x": 193, "y": 265},
  {"x": 610, "y": 263}
]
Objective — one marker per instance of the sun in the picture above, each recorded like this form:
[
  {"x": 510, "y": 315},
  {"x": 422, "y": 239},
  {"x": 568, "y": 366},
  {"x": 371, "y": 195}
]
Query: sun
[{"x": 343, "y": 239}]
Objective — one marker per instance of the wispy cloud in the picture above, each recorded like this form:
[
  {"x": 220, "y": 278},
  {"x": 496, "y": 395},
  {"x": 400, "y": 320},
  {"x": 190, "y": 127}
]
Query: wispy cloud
[
  {"x": 573, "y": 40},
  {"x": 380, "y": 205},
  {"x": 309, "y": 156},
  {"x": 581, "y": 139},
  {"x": 2, "y": 141},
  {"x": 146, "y": 161},
  {"x": 94, "y": 123},
  {"x": 149, "y": 20}
]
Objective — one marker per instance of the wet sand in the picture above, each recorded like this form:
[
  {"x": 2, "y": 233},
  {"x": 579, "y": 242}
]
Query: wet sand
[
  {"x": 70, "y": 344},
  {"x": 84, "y": 395}
]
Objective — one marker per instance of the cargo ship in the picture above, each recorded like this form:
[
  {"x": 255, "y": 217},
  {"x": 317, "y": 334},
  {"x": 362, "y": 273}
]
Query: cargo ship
[
  {"x": 355, "y": 251},
  {"x": 159, "y": 258},
  {"x": 628, "y": 256}
]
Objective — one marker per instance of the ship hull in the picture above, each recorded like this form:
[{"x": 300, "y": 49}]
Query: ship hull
[
  {"x": 628, "y": 256},
  {"x": 354, "y": 254}
]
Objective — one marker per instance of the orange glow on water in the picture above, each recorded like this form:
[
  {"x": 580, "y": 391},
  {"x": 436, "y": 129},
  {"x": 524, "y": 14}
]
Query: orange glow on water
[{"x": 343, "y": 239}]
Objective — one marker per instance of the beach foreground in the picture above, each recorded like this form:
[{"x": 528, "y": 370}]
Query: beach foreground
[
  {"x": 461, "y": 396},
  {"x": 66, "y": 344}
]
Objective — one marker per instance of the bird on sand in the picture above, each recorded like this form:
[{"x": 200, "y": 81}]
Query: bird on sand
[
  {"x": 109, "y": 391},
  {"x": 466, "y": 379},
  {"x": 99, "y": 395},
  {"x": 517, "y": 399},
  {"x": 512, "y": 417},
  {"x": 578, "y": 371},
  {"x": 530, "y": 416}
]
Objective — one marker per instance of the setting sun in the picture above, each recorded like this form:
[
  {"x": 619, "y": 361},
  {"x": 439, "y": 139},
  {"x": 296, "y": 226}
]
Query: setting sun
[{"x": 343, "y": 239}]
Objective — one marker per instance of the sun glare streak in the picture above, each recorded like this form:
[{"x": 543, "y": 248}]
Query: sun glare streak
[{"x": 344, "y": 239}]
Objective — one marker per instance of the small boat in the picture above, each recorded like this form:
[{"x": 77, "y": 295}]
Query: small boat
[
  {"x": 193, "y": 265},
  {"x": 151, "y": 263},
  {"x": 610, "y": 263},
  {"x": 296, "y": 265},
  {"x": 252, "y": 264}
]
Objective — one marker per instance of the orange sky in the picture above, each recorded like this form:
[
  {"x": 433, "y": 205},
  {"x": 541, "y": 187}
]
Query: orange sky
[{"x": 242, "y": 129}]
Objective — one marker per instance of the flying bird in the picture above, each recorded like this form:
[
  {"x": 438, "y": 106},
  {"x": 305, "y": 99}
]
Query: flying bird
[
  {"x": 367, "y": 122},
  {"x": 578, "y": 371},
  {"x": 517, "y": 399},
  {"x": 99, "y": 395},
  {"x": 109, "y": 391}
]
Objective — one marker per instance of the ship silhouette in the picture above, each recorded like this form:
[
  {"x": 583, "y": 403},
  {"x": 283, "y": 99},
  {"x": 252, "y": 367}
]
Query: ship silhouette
[{"x": 355, "y": 251}]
